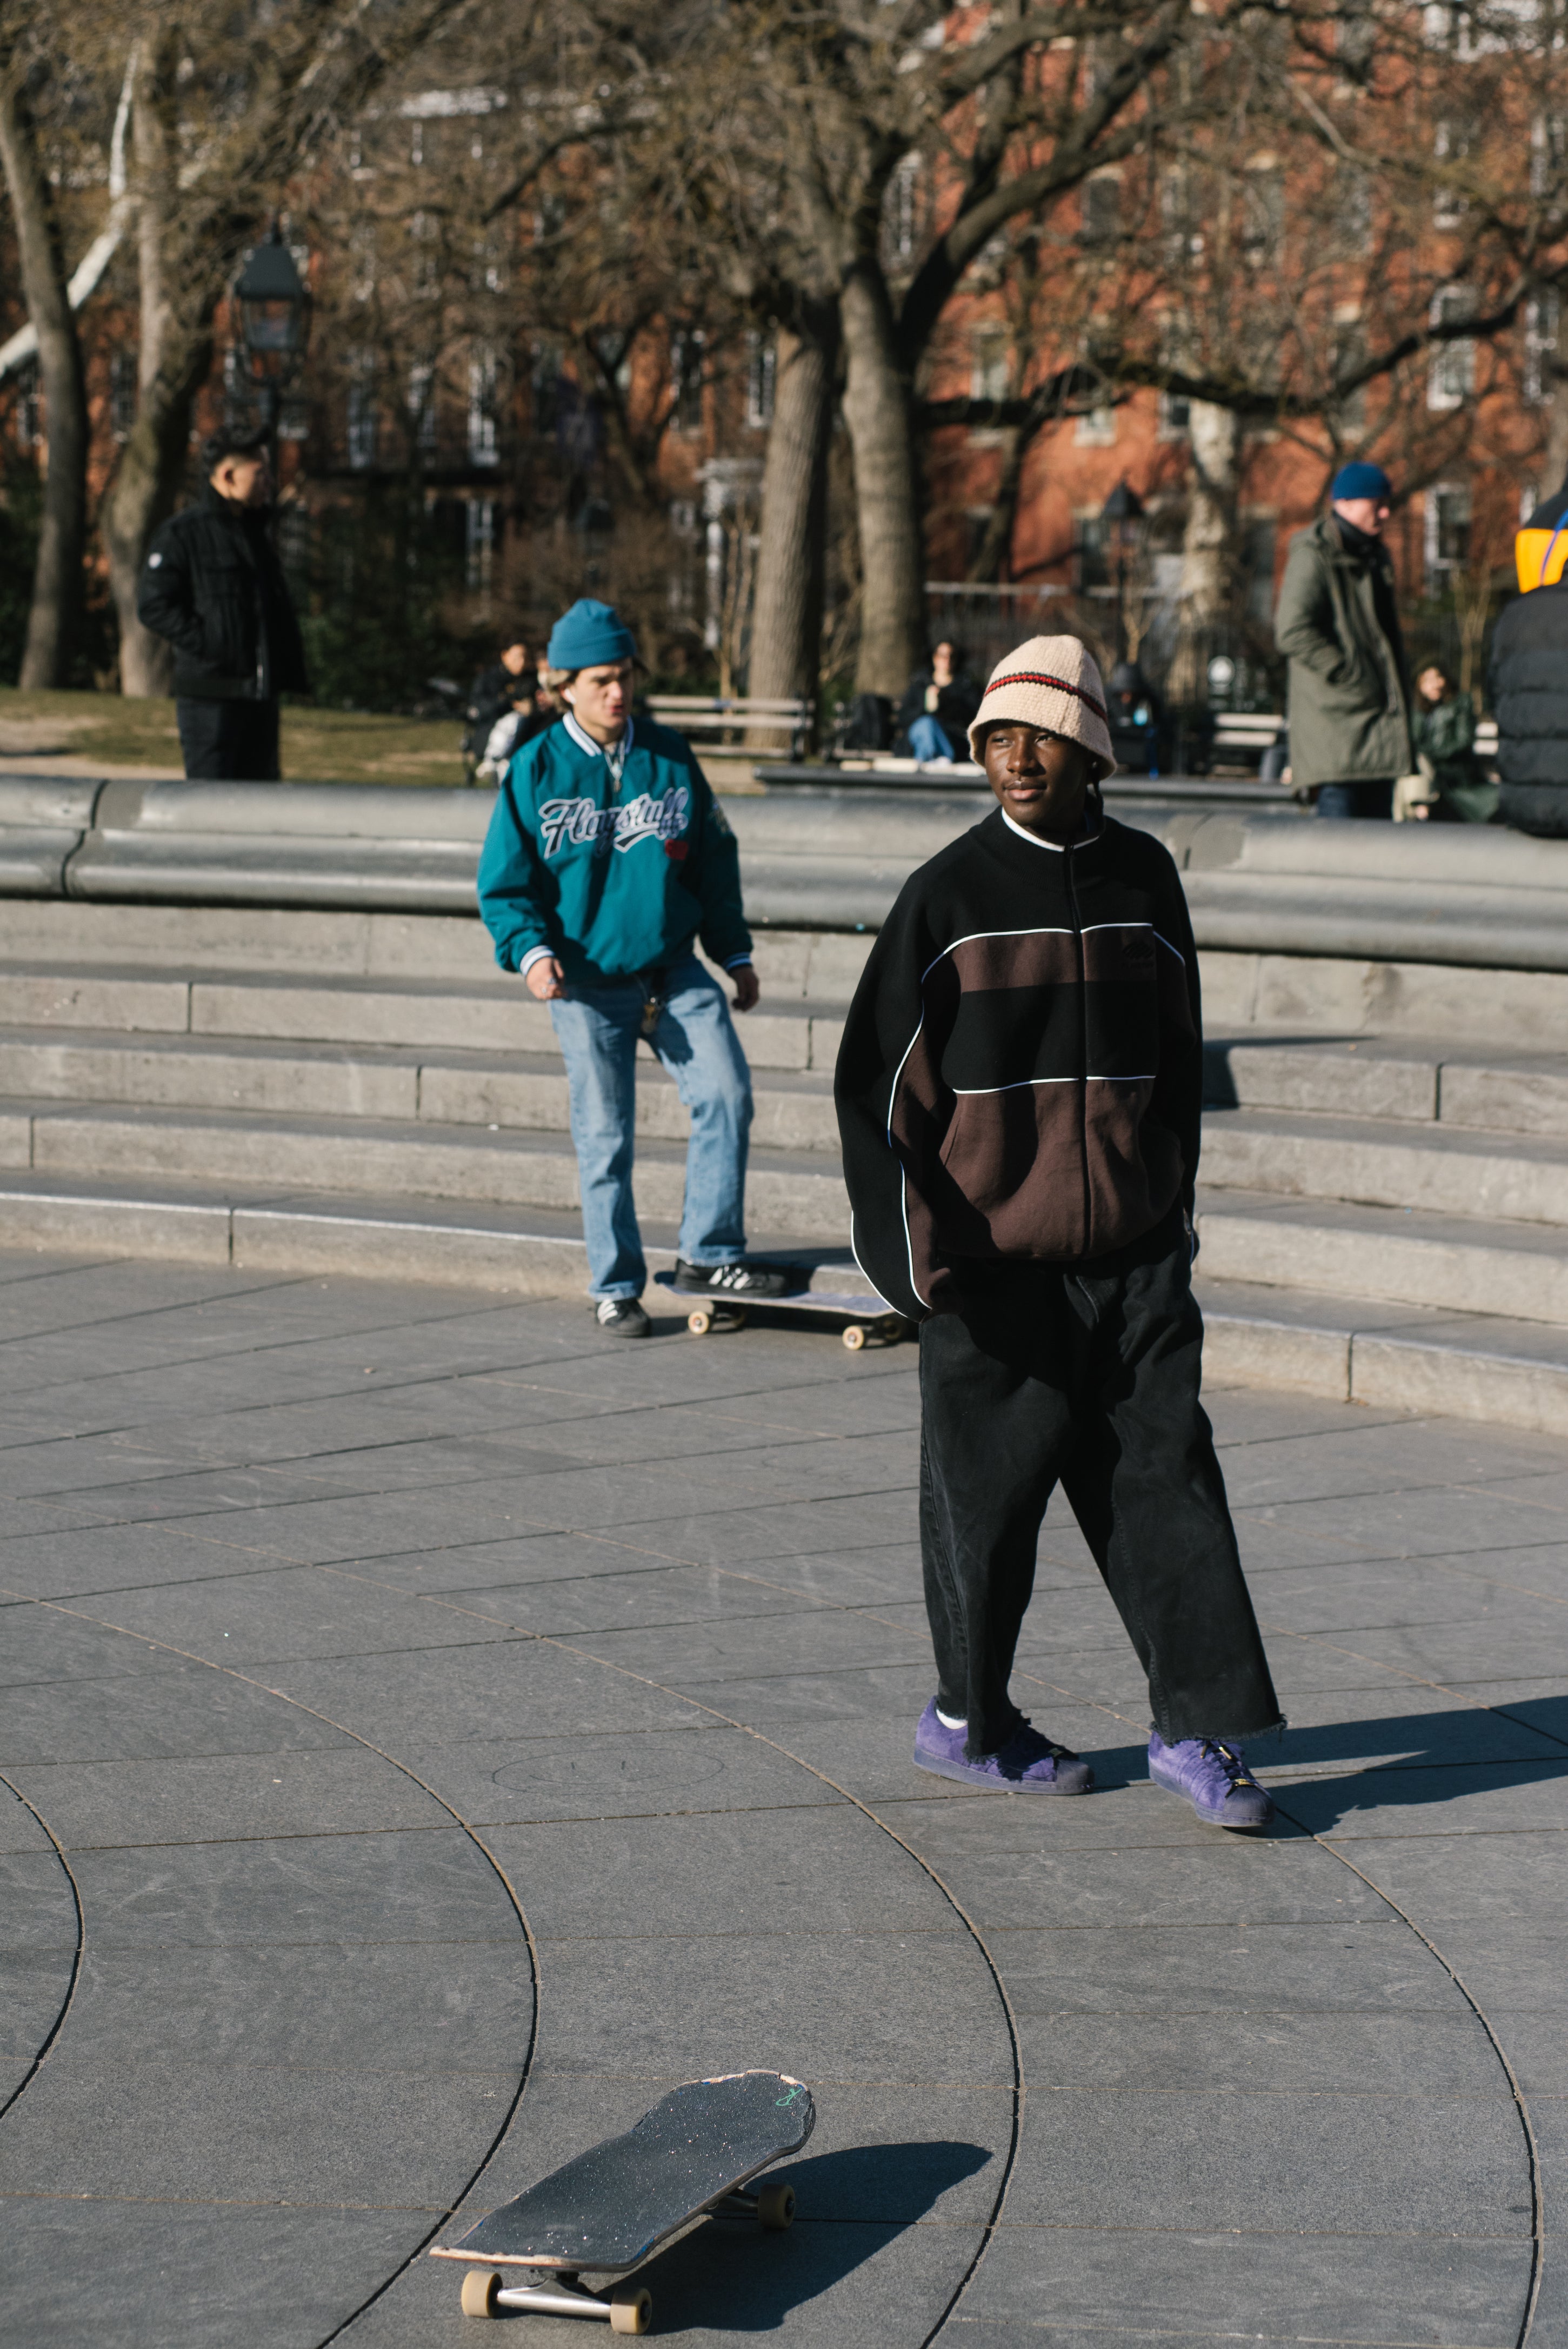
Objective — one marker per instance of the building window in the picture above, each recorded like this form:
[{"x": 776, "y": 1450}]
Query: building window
[
  {"x": 685, "y": 374},
  {"x": 1452, "y": 378},
  {"x": 1548, "y": 152},
  {"x": 988, "y": 361},
  {"x": 420, "y": 402},
  {"x": 1096, "y": 429},
  {"x": 762, "y": 360},
  {"x": 425, "y": 266},
  {"x": 1099, "y": 210},
  {"x": 544, "y": 385},
  {"x": 478, "y": 543},
  {"x": 483, "y": 448},
  {"x": 1542, "y": 319},
  {"x": 1353, "y": 208},
  {"x": 1451, "y": 146},
  {"x": 1092, "y": 558},
  {"x": 1263, "y": 210},
  {"x": 901, "y": 213},
  {"x": 1448, "y": 520},
  {"x": 360, "y": 433},
  {"x": 122, "y": 393},
  {"x": 28, "y": 414},
  {"x": 1175, "y": 416}
]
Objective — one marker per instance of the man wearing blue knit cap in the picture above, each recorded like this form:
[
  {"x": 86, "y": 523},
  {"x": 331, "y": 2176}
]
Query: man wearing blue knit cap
[
  {"x": 606, "y": 858},
  {"x": 1338, "y": 625}
]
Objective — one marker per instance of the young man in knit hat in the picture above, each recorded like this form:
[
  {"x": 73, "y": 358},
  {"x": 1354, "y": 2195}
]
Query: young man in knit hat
[
  {"x": 1019, "y": 1094},
  {"x": 607, "y": 857}
]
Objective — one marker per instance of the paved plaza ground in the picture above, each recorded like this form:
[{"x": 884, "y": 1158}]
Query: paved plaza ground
[{"x": 433, "y": 1729}]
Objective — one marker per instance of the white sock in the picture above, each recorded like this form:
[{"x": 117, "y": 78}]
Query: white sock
[{"x": 949, "y": 1724}]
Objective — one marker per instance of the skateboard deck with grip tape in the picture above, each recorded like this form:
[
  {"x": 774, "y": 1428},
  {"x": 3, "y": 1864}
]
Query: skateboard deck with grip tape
[{"x": 610, "y": 2208}]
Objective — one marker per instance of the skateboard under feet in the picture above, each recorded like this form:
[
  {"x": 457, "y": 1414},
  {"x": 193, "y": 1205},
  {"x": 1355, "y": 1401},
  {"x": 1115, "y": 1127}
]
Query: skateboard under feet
[
  {"x": 859, "y": 1314},
  {"x": 608, "y": 2209}
]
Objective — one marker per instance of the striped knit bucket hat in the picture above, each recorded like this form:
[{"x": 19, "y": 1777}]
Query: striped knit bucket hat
[{"x": 1051, "y": 682}]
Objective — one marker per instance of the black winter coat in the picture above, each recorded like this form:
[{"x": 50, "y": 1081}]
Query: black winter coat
[
  {"x": 213, "y": 586},
  {"x": 1527, "y": 685},
  {"x": 1022, "y": 1068}
]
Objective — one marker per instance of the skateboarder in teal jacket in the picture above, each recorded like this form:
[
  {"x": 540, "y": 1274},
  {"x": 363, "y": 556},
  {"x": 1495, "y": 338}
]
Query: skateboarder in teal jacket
[{"x": 607, "y": 858}]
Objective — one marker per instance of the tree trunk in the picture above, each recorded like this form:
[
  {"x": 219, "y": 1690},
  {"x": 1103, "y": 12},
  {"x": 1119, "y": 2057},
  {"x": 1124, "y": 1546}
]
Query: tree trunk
[
  {"x": 1208, "y": 549},
  {"x": 54, "y": 618},
  {"x": 792, "y": 559},
  {"x": 877, "y": 412},
  {"x": 174, "y": 358},
  {"x": 1556, "y": 373}
]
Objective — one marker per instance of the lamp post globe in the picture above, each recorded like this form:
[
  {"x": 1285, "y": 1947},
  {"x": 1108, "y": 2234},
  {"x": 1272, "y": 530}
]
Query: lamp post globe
[
  {"x": 275, "y": 306},
  {"x": 1122, "y": 515}
]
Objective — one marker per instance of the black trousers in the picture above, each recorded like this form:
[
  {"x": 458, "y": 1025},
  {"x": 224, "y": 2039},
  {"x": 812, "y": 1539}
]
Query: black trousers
[
  {"x": 1089, "y": 1377},
  {"x": 229, "y": 741}
]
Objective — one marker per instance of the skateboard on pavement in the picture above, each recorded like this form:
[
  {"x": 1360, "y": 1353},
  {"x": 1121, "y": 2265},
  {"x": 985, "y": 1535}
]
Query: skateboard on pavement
[
  {"x": 860, "y": 1313},
  {"x": 609, "y": 2209}
]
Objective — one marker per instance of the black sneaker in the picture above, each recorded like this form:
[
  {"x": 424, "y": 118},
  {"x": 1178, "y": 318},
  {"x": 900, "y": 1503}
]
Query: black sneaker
[
  {"x": 738, "y": 1281},
  {"x": 622, "y": 1317}
]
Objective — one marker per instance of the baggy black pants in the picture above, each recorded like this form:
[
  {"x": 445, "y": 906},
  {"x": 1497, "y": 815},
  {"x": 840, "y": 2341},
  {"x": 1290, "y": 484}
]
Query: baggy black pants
[
  {"x": 1087, "y": 1376},
  {"x": 228, "y": 742}
]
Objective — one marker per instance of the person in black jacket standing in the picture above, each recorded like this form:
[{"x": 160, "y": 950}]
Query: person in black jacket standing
[
  {"x": 1527, "y": 677},
  {"x": 213, "y": 586},
  {"x": 1019, "y": 1093}
]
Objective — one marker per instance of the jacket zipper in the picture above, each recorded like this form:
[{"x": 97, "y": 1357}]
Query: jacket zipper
[{"x": 1083, "y": 1039}]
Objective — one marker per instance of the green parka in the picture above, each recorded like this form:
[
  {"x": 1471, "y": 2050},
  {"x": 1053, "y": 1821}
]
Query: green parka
[{"x": 1349, "y": 697}]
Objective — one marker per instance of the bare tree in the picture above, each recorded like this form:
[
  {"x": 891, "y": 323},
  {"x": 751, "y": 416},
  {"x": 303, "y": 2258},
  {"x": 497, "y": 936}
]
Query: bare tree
[
  {"x": 54, "y": 619},
  {"x": 227, "y": 111}
]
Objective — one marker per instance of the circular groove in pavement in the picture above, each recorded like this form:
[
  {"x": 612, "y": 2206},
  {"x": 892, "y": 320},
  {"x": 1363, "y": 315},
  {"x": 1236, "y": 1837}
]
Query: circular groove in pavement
[
  {"x": 229, "y": 1671},
  {"x": 1531, "y": 2151},
  {"x": 53, "y": 2033}
]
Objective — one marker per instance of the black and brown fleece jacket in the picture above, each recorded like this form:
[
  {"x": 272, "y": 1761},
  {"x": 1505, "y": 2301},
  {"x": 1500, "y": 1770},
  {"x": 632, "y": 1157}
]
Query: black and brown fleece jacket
[{"x": 1022, "y": 1067}]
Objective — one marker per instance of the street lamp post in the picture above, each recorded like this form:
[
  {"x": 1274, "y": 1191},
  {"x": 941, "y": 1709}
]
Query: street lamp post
[
  {"x": 1121, "y": 513},
  {"x": 274, "y": 306}
]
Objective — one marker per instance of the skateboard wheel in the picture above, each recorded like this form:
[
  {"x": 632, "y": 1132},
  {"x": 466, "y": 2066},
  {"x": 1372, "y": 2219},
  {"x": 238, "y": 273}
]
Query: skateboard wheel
[
  {"x": 480, "y": 2286},
  {"x": 776, "y": 2205},
  {"x": 854, "y": 1337},
  {"x": 699, "y": 1322},
  {"x": 632, "y": 2309}
]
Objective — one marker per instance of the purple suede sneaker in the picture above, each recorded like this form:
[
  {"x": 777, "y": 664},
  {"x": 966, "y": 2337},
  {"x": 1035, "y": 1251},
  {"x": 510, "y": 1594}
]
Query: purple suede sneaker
[
  {"x": 1214, "y": 1779},
  {"x": 1028, "y": 1763}
]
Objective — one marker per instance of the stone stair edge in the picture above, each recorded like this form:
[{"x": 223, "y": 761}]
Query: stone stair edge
[{"x": 1425, "y": 1364}]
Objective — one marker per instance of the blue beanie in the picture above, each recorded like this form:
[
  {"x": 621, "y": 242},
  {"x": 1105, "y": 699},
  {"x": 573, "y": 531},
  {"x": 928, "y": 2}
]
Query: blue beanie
[
  {"x": 590, "y": 636},
  {"x": 1362, "y": 481}
]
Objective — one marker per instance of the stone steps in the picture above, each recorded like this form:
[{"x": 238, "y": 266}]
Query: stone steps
[
  {"x": 1433, "y": 1168},
  {"x": 798, "y": 1192},
  {"x": 1523, "y": 1092},
  {"x": 498, "y": 1016},
  {"x": 1461, "y": 1264},
  {"x": 794, "y": 1107},
  {"x": 1383, "y": 1219}
]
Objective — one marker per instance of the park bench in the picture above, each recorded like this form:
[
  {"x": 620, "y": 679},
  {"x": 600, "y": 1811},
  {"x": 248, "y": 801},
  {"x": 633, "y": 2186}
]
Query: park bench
[{"x": 717, "y": 722}]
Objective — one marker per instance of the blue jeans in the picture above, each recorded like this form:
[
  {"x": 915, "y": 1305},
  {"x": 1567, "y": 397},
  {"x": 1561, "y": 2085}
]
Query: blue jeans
[
  {"x": 927, "y": 741},
  {"x": 597, "y": 1029},
  {"x": 1338, "y": 800}
]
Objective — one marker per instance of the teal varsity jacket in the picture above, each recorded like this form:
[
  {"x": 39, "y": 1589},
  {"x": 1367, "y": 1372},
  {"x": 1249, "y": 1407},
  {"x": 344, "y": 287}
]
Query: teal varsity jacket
[{"x": 611, "y": 882}]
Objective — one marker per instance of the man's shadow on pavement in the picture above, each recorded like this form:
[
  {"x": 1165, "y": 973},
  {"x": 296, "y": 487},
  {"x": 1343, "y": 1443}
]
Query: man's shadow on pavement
[
  {"x": 1416, "y": 1758},
  {"x": 727, "y": 2275}
]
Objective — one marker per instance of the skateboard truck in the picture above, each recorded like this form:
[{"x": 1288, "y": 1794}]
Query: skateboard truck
[{"x": 629, "y": 2308}]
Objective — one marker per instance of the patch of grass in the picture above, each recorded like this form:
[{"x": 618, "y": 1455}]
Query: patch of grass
[{"x": 319, "y": 746}]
